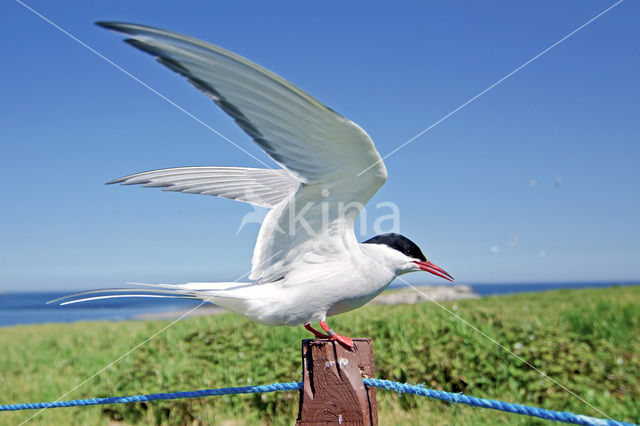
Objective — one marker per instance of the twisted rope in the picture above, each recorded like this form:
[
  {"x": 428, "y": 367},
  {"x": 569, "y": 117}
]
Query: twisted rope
[
  {"x": 459, "y": 398},
  {"x": 559, "y": 416},
  {"x": 155, "y": 396}
]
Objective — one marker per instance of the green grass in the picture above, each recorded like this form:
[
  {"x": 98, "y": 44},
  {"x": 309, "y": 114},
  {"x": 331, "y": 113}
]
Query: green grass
[{"x": 588, "y": 340}]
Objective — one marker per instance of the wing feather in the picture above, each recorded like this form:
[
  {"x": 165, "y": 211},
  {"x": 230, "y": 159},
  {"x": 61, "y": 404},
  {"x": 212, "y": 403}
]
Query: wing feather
[
  {"x": 261, "y": 187},
  {"x": 307, "y": 138},
  {"x": 321, "y": 149}
]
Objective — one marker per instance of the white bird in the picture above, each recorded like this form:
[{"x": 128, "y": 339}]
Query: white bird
[{"x": 307, "y": 263}]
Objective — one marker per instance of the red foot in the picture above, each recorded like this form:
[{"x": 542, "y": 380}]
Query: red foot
[
  {"x": 316, "y": 332},
  {"x": 346, "y": 341}
]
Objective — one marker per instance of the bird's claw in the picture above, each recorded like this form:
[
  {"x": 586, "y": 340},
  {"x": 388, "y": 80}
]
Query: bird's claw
[{"x": 346, "y": 341}]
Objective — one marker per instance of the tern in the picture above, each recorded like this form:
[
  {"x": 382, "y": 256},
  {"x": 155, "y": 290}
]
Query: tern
[{"x": 307, "y": 263}]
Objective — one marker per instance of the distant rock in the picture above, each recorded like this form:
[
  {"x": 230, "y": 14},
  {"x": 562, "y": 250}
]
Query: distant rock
[{"x": 432, "y": 293}]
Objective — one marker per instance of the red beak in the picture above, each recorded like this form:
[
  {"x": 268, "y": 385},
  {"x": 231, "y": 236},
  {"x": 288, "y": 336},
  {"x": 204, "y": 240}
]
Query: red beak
[{"x": 434, "y": 269}]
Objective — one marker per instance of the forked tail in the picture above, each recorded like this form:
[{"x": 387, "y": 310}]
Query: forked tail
[{"x": 221, "y": 294}]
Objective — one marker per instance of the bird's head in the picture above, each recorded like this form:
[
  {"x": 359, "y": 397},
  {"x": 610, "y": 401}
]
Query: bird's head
[{"x": 403, "y": 255}]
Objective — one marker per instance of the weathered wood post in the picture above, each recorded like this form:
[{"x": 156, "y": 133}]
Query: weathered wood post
[{"x": 333, "y": 391}]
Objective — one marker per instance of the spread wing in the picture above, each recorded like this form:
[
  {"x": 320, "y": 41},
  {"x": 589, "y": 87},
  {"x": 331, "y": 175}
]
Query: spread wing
[
  {"x": 296, "y": 130},
  {"x": 261, "y": 187},
  {"x": 321, "y": 149}
]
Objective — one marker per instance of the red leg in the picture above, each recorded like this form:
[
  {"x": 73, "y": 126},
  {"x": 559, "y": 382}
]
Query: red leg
[
  {"x": 335, "y": 336},
  {"x": 316, "y": 332}
]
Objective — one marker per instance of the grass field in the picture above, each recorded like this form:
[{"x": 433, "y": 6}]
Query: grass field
[{"x": 588, "y": 340}]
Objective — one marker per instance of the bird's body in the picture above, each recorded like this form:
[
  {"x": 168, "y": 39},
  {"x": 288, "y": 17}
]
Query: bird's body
[
  {"x": 307, "y": 263},
  {"x": 312, "y": 291}
]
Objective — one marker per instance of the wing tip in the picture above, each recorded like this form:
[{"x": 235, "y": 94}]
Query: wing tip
[
  {"x": 123, "y": 27},
  {"x": 133, "y": 179},
  {"x": 110, "y": 25},
  {"x": 129, "y": 28},
  {"x": 114, "y": 181}
]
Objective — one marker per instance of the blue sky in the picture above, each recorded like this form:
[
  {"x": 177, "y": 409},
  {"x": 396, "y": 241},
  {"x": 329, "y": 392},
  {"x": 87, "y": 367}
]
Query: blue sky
[{"x": 476, "y": 192}]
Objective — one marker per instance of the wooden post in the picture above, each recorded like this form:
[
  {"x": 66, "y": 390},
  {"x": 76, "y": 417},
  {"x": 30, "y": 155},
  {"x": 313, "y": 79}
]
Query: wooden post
[{"x": 333, "y": 391}]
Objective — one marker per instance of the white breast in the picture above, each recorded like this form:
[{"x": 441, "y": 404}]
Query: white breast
[{"x": 313, "y": 291}]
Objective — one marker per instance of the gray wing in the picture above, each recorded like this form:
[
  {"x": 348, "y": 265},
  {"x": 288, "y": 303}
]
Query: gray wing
[
  {"x": 261, "y": 187},
  {"x": 317, "y": 146},
  {"x": 310, "y": 140}
]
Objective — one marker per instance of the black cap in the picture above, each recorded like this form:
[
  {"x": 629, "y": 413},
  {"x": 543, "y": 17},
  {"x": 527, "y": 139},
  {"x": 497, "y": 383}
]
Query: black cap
[{"x": 400, "y": 243}]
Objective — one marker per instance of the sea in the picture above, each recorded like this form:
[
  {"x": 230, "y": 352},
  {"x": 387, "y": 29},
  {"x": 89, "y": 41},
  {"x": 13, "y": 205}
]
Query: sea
[{"x": 32, "y": 308}]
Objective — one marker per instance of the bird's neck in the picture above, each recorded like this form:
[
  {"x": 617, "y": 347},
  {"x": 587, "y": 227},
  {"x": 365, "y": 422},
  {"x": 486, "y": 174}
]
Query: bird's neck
[{"x": 382, "y": 257}]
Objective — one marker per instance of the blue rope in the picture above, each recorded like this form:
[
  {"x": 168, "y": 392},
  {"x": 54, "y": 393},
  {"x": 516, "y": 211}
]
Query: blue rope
[
  {"x": 558, "y": 416},
  {"x": 155, "y": 396},
  {"x": 401, "y": 388}
]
